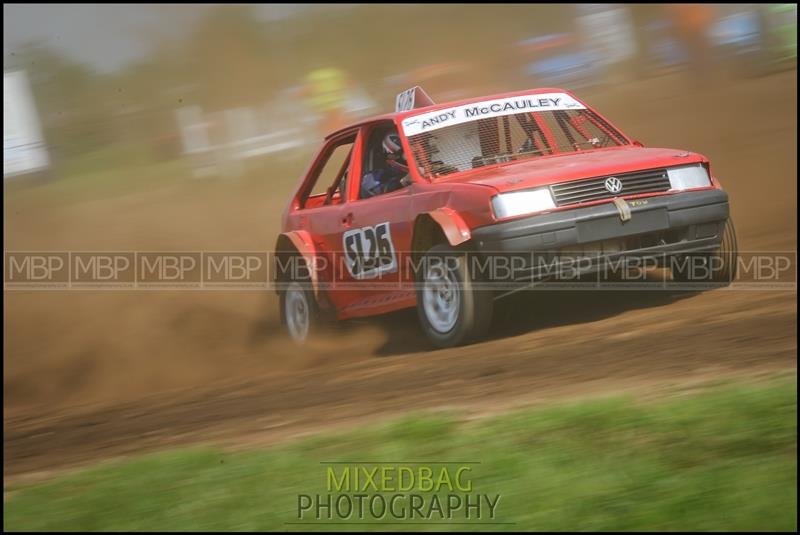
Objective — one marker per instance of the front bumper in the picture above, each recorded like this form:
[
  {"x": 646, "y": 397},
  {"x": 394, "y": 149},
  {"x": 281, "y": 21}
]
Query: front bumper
[{"x": 663, "y": 226}]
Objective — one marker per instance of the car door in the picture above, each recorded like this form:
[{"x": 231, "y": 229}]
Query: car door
[
  {"x": 376, "y": 231},
  {"x": 322, "y": 204}
]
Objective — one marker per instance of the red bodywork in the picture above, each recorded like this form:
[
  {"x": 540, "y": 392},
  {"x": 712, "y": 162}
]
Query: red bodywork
[{"x": 457, "y": 203}]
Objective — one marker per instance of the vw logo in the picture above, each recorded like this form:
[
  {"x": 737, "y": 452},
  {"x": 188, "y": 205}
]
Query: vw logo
[{"x": 613, "y": 184}]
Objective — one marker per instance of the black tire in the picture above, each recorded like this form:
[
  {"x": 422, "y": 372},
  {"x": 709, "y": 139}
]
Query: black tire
[
  {"x": 472, "y": 310},
  {"x": 717, "y": 267}
]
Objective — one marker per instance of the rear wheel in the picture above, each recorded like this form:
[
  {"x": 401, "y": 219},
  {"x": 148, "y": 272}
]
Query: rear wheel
[
  {"x": 451, "y": 309},
  {"x": 718, "y": 266},
  {"x": 299, "y": 312}
]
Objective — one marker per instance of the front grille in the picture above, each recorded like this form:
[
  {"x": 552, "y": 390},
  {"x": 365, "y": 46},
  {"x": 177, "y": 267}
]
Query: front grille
[{"x": 594, "y": 189}]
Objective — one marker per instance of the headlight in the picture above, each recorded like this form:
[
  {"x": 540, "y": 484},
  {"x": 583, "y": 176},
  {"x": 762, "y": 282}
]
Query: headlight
[
  {"x": 522, "y": 202},
  {"x": 690, "y": 176}
]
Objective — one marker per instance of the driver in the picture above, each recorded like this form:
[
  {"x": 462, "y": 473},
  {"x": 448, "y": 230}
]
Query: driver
[{"x": 391, "y": 177}]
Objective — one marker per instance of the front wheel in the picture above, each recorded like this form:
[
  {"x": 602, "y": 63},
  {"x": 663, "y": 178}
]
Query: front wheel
[
  {"x": 452, "y": 310},
  {"x": 717, "y": 267}
]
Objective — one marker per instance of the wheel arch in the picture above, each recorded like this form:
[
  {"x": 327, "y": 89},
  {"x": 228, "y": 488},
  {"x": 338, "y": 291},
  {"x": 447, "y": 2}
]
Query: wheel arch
[
  {"x": 294, "y": 244},
  {"x": 443, "y": 225}
]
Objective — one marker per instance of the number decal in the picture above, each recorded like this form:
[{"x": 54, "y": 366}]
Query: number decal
[
  {"x": 369, "y": 251},
  {"x": 405, "y": 100}
]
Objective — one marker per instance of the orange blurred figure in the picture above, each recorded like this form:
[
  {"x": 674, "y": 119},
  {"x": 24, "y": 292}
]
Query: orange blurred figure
[{"x": 692, "y": 24}]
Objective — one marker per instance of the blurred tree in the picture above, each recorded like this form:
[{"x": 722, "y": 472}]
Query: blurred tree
[{"x": 229, "y": 58}]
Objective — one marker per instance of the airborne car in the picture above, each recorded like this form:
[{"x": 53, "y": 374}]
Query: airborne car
[{"x": 520, "y": 176}]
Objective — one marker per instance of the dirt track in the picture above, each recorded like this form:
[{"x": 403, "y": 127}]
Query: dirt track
[{"x": 89, "y": 375}]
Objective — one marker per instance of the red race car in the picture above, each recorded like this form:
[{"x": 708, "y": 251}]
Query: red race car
[{"x": 448, "y": 207}]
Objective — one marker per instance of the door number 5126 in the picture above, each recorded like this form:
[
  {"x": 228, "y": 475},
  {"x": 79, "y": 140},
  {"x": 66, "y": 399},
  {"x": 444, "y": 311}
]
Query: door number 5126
[{"x": 369, "y": 251}]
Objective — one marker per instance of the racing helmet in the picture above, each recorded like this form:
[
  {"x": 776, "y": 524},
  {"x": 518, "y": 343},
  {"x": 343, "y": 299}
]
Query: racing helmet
[{"x": 393, "y": 151}]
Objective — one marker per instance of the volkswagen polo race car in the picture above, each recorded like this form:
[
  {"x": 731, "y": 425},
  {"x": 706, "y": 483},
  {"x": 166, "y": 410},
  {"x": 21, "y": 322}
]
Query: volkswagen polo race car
[{"x": 501, "y": 193}]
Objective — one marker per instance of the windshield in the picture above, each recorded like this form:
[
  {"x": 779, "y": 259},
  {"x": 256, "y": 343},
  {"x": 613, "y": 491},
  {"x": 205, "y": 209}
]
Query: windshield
[{"x": 466, "y": 137}]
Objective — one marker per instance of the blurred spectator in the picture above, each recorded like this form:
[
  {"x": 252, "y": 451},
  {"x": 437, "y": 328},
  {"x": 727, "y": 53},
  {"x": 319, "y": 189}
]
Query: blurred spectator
[
  {"x": 692, "y": 24},
  {"x": 606, "y": 38},
  {"x": 326, "y": 90},
  {"x": 560, "y": 60}
]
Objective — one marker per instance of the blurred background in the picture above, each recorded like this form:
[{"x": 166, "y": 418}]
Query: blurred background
[
  {"x": 185, "y": 128},
  {"x": 224, "y": 87}
]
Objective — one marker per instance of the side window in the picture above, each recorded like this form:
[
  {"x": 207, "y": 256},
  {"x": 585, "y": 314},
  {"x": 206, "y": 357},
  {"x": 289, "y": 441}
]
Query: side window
[
  {"x": 378, "y": 174},
  {"x": 331, "y": 176},
  {"x": 373, "y": 155}
]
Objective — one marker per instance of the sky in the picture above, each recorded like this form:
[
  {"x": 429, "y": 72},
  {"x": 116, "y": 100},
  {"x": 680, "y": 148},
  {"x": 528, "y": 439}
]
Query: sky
[{"x": 107, "y": 37}]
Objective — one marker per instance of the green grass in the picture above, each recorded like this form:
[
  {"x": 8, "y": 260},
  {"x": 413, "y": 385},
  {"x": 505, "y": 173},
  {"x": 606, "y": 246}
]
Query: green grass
[{"x": 722, "y": 459}]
